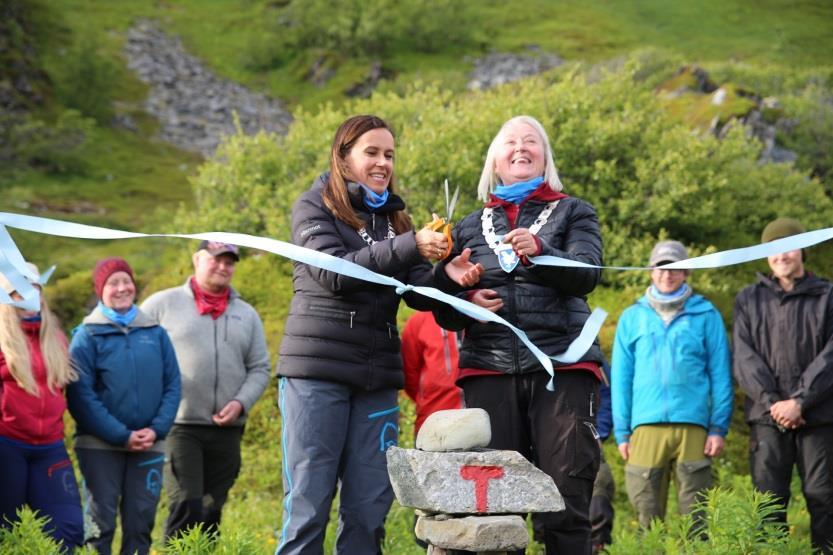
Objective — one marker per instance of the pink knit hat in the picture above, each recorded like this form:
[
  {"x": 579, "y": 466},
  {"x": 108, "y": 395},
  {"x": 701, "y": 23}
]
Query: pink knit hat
[{"x": 106, "y": 267}]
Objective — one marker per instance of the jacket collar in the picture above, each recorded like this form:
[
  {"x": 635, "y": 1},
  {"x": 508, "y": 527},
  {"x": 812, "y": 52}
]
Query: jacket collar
[
  {"x": 354, "y": 192},
  {"x": 807, "y": 285},
  {"x": 187, "y": 287},
  {"x": 97, "y": 317},
  {"x": 695, "y": 304}
]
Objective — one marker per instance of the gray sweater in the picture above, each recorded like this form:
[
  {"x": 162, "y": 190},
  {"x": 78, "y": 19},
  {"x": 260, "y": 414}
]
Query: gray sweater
[{"x": 219, "y": 360}]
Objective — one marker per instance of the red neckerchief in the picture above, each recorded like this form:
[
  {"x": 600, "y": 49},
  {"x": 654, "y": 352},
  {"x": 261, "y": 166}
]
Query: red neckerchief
[
  {"x": 209, "y": 303},
  {"x": 542, "y": 193}
]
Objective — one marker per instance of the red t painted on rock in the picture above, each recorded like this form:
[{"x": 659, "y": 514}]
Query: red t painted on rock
[{"x": 481, "y": 476}]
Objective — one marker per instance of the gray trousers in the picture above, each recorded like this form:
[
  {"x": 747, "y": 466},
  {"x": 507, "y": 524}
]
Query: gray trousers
[
  {"x": 120, "y": 481},
  {"x": 335, "y": 436}
]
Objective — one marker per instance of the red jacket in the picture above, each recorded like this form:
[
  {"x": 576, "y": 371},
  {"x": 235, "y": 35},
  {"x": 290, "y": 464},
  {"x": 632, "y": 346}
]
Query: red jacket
[
  {"x": 429, "y": 356},
  {"x": 24, "y": 417}
]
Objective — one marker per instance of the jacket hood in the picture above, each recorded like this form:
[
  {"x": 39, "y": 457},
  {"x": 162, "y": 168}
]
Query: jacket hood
[
  {"x": 97, "y": 317},
  {"x": 696, "y": 304}
]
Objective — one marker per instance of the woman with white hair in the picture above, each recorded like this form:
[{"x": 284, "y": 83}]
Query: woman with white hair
[
  {"x": 526, "y": 215},
  {"x": 34, "y": 370}
]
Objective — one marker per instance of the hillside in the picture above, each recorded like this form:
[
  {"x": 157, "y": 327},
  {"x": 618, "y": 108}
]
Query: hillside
[{"x": 644, "y": 141}]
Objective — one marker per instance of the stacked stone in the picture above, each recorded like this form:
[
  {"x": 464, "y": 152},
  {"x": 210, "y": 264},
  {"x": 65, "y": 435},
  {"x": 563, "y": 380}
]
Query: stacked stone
[
  {"x": 467, "y": 497},
  {"x": 195, "y": 106}
]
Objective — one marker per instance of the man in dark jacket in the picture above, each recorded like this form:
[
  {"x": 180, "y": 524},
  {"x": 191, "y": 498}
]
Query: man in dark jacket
[{"x": 783, "y": 360}]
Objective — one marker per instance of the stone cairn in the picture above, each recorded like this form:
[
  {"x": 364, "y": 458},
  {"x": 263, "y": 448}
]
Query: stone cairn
[
  {"x": 195, "y": 107},
  {"x": 467, "y": 497}
]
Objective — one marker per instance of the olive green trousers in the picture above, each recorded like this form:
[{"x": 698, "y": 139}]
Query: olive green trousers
[{"x": 657, "y": 450}]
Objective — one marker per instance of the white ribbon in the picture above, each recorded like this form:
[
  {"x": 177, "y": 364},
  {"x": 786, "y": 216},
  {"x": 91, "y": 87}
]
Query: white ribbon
[
  {"x": 713, "y": 260},
  {"x": 16, "y": 269}
]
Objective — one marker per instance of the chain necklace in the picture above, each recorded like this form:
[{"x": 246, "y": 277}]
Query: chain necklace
[
  {"x": 369, "y": 240},
  {"x": 506, "y": 256}
]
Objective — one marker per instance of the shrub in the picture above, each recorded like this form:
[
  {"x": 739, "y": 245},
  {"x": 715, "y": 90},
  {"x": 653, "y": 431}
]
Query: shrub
[
  {"x": 360, "y": 28},
  {"x": 54, "y": 147},
  {"x": 87, "y": 79},
  {"x": 737, "y": 520},
  {"x": 647, "y": 175},
  {"x": 26, "y": 535}
]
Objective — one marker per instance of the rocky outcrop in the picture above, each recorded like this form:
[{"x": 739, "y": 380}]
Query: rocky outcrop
[
  {"x": 195, "y": 107},
  {"x": 499, "y": 68},
  {"x": 718, "y": 108}
]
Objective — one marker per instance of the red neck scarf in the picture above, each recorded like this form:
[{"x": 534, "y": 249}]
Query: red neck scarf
[{"x": 209, "y": 303}]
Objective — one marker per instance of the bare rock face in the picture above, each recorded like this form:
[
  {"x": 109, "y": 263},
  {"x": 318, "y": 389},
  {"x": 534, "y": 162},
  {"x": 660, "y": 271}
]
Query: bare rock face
[
  {"x": 500, "y": 67},
  {"x": 455, "y": 430},
  {"x": 474, "y": 533},
  {"x": 195, "y": 106},
  {"x": 486, "y": 482}
]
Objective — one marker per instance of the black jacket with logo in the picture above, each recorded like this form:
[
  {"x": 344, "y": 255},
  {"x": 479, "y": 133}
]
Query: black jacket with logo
[
  {"x": 341, "y": 328},
  {"x": 783, "y": 347},
  {"x": 546, "y": 302}
]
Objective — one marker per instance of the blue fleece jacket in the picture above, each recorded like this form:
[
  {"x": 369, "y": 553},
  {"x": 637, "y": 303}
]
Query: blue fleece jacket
[
  {"x": 671, "y": 374},
  {"x": 128, "y": 378}
]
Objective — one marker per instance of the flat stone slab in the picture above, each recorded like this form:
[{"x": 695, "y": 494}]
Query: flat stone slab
[
  {"x": 475, "y": 533},
  {"x": 471, "y": 482},
  {"x": 455, "y": 430}
]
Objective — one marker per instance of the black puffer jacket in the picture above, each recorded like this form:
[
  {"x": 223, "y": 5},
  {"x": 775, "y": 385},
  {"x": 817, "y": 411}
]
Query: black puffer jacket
[
  {"x": 340, "y": 328},
  {"x": 783, "y": 347},
  {"x": 546, "y": 302}
]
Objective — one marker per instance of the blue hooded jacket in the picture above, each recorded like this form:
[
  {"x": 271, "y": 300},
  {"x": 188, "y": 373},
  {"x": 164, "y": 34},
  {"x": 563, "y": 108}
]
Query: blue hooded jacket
[
  {"x": 128, "y": 378},
  {"x": 671, "y": 374}
]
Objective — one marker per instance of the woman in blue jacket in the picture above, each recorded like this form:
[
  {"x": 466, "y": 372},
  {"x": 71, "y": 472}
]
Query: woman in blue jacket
[{"x": 124, "y": 403}]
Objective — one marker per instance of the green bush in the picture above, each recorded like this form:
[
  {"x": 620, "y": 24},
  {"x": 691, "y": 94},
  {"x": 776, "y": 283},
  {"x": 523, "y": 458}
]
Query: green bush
[
  {"x": 87, "y": 79},
  {"x": 737, "y": 520},
  {"x": 55, "y": 147},
  {"x": 647, "y": 175},
  {"x": 26, "y": 535},
  {"x": 370, "y": 28}
]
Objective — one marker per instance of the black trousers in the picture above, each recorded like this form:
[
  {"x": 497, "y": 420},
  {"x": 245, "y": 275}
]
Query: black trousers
[
  {"x": 773, "y": 453},
  {"x": 556, "y": 431},
  {"x": 202, "y": 464}
]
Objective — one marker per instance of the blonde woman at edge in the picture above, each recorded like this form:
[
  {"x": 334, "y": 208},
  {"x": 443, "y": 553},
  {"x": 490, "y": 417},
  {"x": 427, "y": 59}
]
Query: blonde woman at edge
[{"x": 34, "y": 370}]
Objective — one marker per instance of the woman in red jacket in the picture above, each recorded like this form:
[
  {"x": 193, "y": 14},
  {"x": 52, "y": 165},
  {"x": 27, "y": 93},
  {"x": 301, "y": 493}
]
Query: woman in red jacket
[{"x": 34, "y": 370}]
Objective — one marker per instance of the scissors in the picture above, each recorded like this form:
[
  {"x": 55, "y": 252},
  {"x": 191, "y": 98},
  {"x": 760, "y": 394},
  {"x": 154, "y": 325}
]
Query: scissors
[{"x": 443, "y": 225}]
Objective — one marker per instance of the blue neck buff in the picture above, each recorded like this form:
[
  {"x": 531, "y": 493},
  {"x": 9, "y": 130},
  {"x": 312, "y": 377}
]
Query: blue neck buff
[
  {"x": 669, "y": 296},
  {"x": 123, "y": 319},
  {"x": 517, "y": 192},
  {"x": 372, "y": 199},
  {"x": 31, "y": 319}
]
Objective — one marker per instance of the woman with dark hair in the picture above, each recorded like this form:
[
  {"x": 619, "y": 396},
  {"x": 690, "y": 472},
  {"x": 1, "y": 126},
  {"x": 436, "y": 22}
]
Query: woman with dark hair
[
  {"x": 526, "y": 215},
  {"x": 339, "y": 364}
]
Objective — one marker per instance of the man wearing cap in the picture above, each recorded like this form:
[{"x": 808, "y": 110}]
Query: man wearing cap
[
  {"x": 224, "y": 363},
  {"x": 783, "y": 361},
  {"x": 671, "y": 388}
]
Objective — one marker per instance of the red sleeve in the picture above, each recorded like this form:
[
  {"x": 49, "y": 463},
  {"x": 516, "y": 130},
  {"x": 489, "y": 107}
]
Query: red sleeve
[{"x": 412, "y": 354}]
